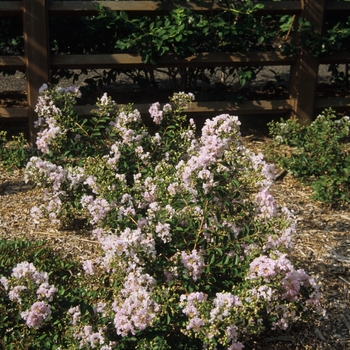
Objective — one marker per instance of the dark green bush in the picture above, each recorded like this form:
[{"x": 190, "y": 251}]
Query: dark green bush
[{"x": 318, "y": 154}]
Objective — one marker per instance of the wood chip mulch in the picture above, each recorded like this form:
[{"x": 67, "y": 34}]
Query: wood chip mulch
[{"x": 322, "y": 248}]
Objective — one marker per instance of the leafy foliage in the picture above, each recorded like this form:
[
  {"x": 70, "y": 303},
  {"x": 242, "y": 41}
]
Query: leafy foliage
[
  {"x": 317, "y": 153},
  {"x": 334, "y": 36},
  {"x": 14, "y": 154},
  {"x": 237, "y": 29},
  {"x": 193, "y": 246},
  {"x": 13, "y": 332},
  {"x": 181, "y": 31},
  {"x": 11, "y": 36}
]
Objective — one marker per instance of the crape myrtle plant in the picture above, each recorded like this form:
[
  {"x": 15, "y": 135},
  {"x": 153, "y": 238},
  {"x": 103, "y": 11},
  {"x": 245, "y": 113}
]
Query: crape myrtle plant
[
  {"x": 39, "y": 293},
  {"x": 194, "y": 249}
]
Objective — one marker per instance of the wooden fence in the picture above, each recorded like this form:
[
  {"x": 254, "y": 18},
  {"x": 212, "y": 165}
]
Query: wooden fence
[{"x": 37, "y": 61}]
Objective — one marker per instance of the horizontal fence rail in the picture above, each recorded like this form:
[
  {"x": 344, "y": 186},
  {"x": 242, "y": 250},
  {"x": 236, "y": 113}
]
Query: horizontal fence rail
[
  {"x": 206, "y": 60},
  {"x": 88, "y": 8},
  {"x": 37, "y": 61}
]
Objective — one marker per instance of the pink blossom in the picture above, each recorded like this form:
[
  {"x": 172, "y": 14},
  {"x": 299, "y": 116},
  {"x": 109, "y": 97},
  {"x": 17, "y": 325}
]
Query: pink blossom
[
  {"x": 37, "y": 314},
  {"x": 195, "y": 324},
  {"x": 46, "y": 290},
  {"x": 89, "y": 267},
  {"x": 163, "y": 232},
  {"x": 193, "y": 263},
  {"x": 266, "y": 205},
  {"x": 156, "y": 113},
  {"x": 14, "y": 293},
  {"x": 5, "y": 282}
]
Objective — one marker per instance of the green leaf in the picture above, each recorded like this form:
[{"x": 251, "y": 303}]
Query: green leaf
[
  {"x": 212, "y": 259},
  {"x": 227, "y": 259},
  {"x": 219, "y": 251},
  {"x": 168, "y": 318},
  {"x": 178, "y": 37},
  {"x": 261, "y": 39},
  {"x": 123, "y": 15},
  {"x": 258, "y": 7}
]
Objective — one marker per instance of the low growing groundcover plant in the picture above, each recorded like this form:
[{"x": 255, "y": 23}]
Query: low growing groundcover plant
[
  {"x": 194, "y": 248},
  {"x": 318, "y": 154}
]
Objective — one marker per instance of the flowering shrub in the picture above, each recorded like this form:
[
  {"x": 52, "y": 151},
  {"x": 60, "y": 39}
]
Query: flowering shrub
[
  {"x": 20, "y": 286},
  {"x": 316, "y": 153},
  {"x": 35, "y": 314},
  {"x": 194, "y": 243}
]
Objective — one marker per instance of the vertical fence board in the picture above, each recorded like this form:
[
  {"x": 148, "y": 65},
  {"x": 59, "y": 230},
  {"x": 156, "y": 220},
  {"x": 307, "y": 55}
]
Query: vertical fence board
[
  {"x": 304, "y": 73},
  {"x": 36, "y": 46}
]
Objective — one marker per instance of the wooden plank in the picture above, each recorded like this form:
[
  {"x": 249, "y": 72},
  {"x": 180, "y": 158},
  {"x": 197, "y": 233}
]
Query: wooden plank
[
  {"x": 280, "y": 8},
  {"x": 337, "y": 57},
  {"x": 36, "y": 47},
  {"x": 105, "y": 61},
  {"x": 12, "y": 63},
  {"x": 171, "y": 60},
  {"x": 337, "y": 7},
  {"x": 14, "y": 113},
  {"x": 85, "y": 8},
  {"x": 338, "y": 103},
  {"x": 10, "y": 8},
  {"x": 246, "y": 107},
  {"x": 304, "y": 74}
]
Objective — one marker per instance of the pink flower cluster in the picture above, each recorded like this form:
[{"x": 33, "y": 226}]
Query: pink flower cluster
[
  {"x": 163, "y": 232},
  {"x": 98, "y": 208},
  {"x": 85, "y": 334},
  {"x": 190, "y": 304},
  {"x": 182, "y": 100},
  {"x": 277, "y": 266},
  {"x": 267, "y": 170},
  {"x": 156, "y": 113},
  {"x": 218, "y": 135},
  {"x": 49, "y": 115},
  {"x": 47, "y": 173},
  {"x": 38, "y": 313},
  {"x": 28, "y": 270},
  {"x": 193, "y": 263},
  {"x": 90, "y": 339},
  {"x": 284, "y": 239},
  {"x": 26, "y": 274},
  {"x": 267, "y": 267},
  {"x": 224, "y": 303},
  {"x": 266, "y": 206},
  {"x": 48, "y": 135},
  {"x": 135, "y": 309}
]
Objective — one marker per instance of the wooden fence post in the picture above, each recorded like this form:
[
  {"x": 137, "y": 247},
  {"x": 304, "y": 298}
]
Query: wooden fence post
[
  {"x": 304, "y": 73},
  {"x": 36, "y": 48}
]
